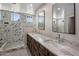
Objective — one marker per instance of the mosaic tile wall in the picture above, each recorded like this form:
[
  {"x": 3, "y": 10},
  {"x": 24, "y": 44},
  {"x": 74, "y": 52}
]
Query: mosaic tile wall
[{"x": 10, "y": 31}]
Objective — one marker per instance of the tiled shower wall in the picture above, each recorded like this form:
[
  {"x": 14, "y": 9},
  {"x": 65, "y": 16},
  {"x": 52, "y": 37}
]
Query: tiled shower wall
[{"x": 12, "y": 32}]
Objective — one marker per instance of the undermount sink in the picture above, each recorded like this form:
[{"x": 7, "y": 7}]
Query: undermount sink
[
  {"x": 47, "y": 40},
  {"x": 61, "y": 42}
]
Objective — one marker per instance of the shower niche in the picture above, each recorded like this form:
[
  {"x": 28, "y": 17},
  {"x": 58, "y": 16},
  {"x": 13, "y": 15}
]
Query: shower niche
[{"x": 63, "y": 18}]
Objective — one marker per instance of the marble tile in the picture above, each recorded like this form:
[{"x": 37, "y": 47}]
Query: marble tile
[
  {"x": 65, "y": 48},
  {"x": 17, "y": 52},
  {"x": 13, "y": 31}
]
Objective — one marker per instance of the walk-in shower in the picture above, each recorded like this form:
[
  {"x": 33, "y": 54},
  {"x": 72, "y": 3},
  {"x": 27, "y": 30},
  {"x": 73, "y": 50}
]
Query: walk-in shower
[{"x": 12, "y": 33}]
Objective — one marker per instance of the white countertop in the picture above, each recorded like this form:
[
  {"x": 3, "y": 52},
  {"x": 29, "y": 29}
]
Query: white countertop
[{"x": 60, "y": 49}]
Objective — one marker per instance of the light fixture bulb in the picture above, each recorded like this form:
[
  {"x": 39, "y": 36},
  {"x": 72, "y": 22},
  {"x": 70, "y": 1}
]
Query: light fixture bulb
[
  {"x": 30, "y": 4},
  {"x": 58, "y": 8}
]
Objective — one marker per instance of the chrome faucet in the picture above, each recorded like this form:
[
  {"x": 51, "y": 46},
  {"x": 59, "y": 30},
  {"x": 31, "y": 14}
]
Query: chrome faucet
[
  {"x": 58, "y": 36},
  {"x": 59, "y": 39}
]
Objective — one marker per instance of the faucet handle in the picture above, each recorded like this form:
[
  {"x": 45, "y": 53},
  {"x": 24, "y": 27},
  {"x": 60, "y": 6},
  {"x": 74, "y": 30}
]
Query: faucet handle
[{"x": 58, "y": 36}]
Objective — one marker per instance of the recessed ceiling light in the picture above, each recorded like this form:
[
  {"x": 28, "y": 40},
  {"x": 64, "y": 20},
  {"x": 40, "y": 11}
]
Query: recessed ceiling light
[
  {"x": 30, "y": 4},
  {"x": 58, "y": 8}
]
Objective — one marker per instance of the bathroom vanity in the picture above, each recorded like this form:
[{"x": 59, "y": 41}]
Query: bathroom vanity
[
  {"x": 40, "y": 45},
  {"x": 36, "y": 48}
]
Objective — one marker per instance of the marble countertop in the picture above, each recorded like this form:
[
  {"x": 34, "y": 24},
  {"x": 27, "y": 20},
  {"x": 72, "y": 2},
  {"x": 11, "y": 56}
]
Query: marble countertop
[{"x": 60, "y": 49}]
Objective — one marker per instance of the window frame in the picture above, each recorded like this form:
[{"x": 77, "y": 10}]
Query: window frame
[
  {"x": 14, "y": 16},
  {"x": 29, "y": 24}
]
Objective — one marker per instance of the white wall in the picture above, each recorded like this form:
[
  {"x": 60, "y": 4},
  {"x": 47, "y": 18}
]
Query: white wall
[
  {"x": 48, "y": 16},
  {"x": 77, "y": 19},
  {"x": 22, "y": 8},
  {"x": 48, "y": 23}
]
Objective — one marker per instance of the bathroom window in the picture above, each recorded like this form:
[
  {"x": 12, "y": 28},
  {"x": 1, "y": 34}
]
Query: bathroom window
[
  {"x": 29, "y": 20},
  {"x": 15, "y": 17}
]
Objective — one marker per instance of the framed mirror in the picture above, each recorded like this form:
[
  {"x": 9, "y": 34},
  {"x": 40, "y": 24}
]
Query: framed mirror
[
  {"x": 63, "y": 18},
  {"x": 41, "y": 20}
]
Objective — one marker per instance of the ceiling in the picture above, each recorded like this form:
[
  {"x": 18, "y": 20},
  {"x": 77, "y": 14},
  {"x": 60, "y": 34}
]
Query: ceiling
[{"x": 21, "y": 7}]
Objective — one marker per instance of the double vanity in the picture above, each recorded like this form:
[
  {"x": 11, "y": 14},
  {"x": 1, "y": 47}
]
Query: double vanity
[
  {"x": 63, "y": 21},
  {"x": 40, "y": 45}
]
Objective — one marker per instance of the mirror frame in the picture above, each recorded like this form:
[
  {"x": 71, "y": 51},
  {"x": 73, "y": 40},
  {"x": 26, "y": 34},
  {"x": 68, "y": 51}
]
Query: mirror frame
[{"x": 74, "y": 22}]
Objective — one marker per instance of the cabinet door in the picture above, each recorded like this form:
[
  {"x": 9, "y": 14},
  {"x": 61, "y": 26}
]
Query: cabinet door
[
  {"x": 28, "y": 41},
  {"x": 51, "y": 54},
  {"x": 35, "y": 48},
  {"x": 43, "y": 51}
]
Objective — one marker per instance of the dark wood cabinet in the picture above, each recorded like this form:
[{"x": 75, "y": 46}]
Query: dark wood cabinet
[
  {"x": 36, "y": 48},
  {"x": 43, "y": 51}
]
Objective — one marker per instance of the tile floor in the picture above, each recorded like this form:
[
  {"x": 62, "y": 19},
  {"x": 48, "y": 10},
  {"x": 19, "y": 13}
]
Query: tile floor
[
  {"x": 17, "y": 52},
  {"x": 12, "y": 45}
]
